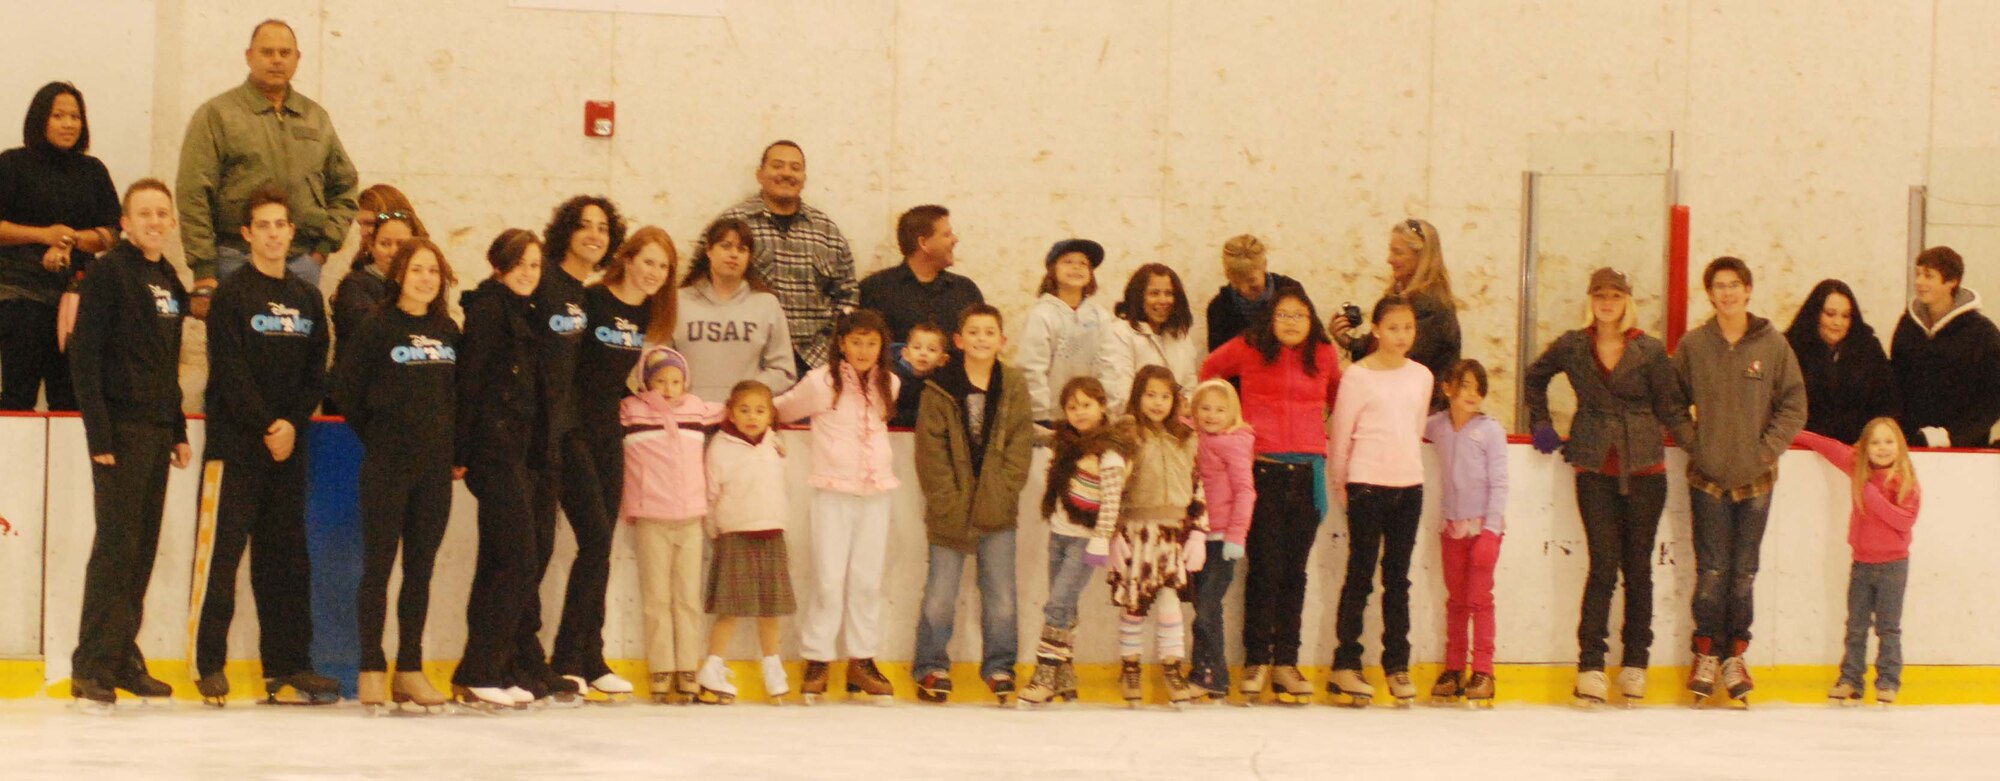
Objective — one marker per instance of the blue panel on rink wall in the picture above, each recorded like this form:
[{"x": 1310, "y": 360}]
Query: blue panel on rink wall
[{"x": 333, "y": 537}]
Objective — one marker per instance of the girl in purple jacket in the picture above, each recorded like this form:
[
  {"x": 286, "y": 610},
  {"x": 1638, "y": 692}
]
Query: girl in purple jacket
[{"x": 1472, "y": 452}]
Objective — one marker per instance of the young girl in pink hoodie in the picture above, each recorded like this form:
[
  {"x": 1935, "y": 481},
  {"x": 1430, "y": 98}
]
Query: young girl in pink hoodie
[
  {"x": 665, "y": 497},
  {"x": 1885, "y": 505},
  {"x": 1226, "y": 450},
  {"x": 850, "y": 401}
]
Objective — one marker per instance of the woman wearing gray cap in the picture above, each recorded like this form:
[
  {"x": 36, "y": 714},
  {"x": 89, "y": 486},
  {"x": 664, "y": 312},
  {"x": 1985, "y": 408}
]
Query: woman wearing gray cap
[
  {"x": 1064, "y": 325},
  {"x": 1626, "y": 393}
]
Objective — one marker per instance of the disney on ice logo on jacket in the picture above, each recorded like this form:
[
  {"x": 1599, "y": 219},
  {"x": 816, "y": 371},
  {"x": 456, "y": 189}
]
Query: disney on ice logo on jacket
[
  {"x": 569, "y": 322},
  {"x": 423, "y": 350},
  {"x": 282, "y": 321},
  {"x": 164, "y": 302},
  {"x": 621, "y": 333}
]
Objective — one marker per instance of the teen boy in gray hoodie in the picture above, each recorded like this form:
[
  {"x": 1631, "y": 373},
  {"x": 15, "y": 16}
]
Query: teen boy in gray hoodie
[{"x": 1749, "y": 401}]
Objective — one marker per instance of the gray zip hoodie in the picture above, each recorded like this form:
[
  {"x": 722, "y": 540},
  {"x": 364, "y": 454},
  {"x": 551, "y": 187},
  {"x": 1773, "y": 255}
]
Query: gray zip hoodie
[
  {"x": 1749, "y": 401},
  {"x": 729, "y": 341}
]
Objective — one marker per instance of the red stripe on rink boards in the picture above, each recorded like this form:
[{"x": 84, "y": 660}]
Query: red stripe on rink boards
[{"x": 1677, "y": 274}]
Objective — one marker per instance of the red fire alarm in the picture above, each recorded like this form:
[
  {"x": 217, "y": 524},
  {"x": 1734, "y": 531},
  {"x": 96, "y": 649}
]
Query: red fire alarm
[{"x": 598, "y": 116}]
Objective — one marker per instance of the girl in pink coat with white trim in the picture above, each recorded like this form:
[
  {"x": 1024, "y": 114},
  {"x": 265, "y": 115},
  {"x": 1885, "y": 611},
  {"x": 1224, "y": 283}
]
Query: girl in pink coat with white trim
[
  {"x": 665, "y": 498},
  {"x": 850, "y": 400}
]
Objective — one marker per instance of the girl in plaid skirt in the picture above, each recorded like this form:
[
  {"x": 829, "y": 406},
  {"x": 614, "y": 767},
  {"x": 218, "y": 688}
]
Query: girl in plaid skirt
[{"x": 747, "y": 575}]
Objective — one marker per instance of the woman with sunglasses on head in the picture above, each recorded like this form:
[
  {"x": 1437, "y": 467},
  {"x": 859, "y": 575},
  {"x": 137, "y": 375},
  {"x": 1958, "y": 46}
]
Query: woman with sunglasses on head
[
  {"x": 57, "y": 207},
  {"x": 386, "y": 221},
  {"x": 1417, "y": 274}
]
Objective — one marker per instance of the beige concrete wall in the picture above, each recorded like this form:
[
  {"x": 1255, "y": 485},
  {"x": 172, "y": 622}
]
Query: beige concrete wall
[{"x": 1158, "y": 128}]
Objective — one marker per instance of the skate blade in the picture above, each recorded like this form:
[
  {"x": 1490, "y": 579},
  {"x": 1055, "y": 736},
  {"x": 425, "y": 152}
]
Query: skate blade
[
  {"x": 1581, "y": 702},
  {"x": 289, "y": 696},
  {"x": 811, "y": 699},
  {"x": 93, "y": 707},
  {"x": 715, "y": 698},
  {"x": 1479, "y": 704},
  {"x": 1345, "y": 700},
  {"x": 216, "y": 702},
  {"x": 1405, "y": 703},
  {"x": 378, "y": 709},
  {"x": 1446, "y": 702},
  {"x": 596, "y": 697},
  {"x": 932, "y": 697},
  {"x": 1294, "y": 698},
  {"x": 414, "y": 708}
]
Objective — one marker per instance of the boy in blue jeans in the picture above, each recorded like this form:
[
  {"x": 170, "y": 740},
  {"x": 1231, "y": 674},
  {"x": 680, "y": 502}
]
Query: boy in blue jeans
[{"x": 975, "y": 432}]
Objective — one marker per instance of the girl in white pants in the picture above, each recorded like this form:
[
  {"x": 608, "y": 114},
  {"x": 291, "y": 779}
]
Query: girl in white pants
[{"x": 850, "y": 400}]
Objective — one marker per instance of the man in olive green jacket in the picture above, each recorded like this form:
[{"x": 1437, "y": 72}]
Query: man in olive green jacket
[
  {"x": 257, "y": 134},
  {"x": 975, "y": 436}
]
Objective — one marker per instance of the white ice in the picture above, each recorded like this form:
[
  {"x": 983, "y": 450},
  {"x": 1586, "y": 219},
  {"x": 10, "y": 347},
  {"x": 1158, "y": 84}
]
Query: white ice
[{"x": 45, "y": 739}]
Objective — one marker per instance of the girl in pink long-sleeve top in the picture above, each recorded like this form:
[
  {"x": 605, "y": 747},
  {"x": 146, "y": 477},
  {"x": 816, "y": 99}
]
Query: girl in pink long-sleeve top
[
  {"x": 1227, "y": 447},
  {"x": 1375, "y": 466},
  {"x": 1472, "y": 449},
  {"x": 665, "y": 497},
  {"x": 1886, "y": 498},
  {"x": 850, "y": 401}
]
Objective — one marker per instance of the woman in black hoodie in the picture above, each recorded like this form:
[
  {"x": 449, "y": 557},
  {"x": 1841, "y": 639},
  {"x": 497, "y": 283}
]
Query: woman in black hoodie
[
  {"x": 500, "y": 410},
  {"x": 1848, "y": 381}
]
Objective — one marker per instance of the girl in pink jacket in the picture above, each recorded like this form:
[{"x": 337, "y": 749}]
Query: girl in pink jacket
[
  {"x": 1227, "y": 447},
  {"x": 1885, "y": 505},
  {"x": 850, "y": 400},
  {"x": 664, "y": 499}
]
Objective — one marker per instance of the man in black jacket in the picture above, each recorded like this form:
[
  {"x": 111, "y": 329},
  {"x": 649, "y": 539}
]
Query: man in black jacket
[
  {"x": 1946, "y": 355},
  {"x": 267, "y": 372},
  {"x": 125, "y": 358}
]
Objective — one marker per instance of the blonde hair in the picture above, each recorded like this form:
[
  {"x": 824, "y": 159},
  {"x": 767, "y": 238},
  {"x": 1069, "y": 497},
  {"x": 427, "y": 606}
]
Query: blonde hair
[
  {"x": 1626, "y": 323},
  {"x": 1229, "y": 400},
  {"x": 1241, "y": 256},
  {"x": 1429, "y": 275},
  {"x": 1902, "y": 477}
]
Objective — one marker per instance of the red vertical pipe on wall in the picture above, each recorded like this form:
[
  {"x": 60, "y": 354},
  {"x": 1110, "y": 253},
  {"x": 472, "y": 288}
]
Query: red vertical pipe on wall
[{"x": 1677, "y": 275}]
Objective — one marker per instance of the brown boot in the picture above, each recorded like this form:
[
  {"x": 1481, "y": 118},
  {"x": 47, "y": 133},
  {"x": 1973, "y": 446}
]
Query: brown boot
[
  {"x": 813, "y": 684},
  {"x": 863, "y": 680},
  {"x": 414, "y": 694},
  {"x": 374, "y": 693}
]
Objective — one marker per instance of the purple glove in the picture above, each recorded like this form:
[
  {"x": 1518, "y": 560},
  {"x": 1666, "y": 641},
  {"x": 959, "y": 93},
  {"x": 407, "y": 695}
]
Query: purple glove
[
  {"x": 1096, "y": 552},
  {"x": 1194, "y": 553},
  {"x": 1546, "y": 439}
]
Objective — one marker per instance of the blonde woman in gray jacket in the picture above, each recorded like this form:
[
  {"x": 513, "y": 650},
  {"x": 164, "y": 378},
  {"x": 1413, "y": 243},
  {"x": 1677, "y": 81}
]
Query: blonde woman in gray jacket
[
  {"x": 1626, "y": 396},
  {"x": 732, "y": 327}
]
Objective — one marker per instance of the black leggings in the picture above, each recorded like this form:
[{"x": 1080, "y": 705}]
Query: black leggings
[
  {"x": 405, "y": 502},
  {"x": 502, "y": 584},
  {"x": 30, "y": 359},
  {"x": 593, "y": 478},
  {"x": 262, "y": 506},
  {"x": 1282, "y": 526},
  {"x": 1381, "y": 520}
]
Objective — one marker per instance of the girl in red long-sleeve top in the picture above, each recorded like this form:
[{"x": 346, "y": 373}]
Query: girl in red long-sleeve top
[{"x": 1886, "y": 498}]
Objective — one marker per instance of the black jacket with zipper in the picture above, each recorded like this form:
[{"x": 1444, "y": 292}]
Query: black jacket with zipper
[{"x": 501, "y": 410}]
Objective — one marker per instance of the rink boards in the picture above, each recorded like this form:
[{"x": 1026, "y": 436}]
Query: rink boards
[{"x": 45, "y": 499}]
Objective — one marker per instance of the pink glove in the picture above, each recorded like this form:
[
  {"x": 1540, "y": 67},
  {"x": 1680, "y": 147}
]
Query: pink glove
[
  {"x": 1120, "y": 553},
  {"x": 1194, "y": 554}
]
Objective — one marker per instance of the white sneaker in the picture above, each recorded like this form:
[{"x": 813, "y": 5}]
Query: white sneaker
[
  {"x": 610, "y": 683},
  {"x": 522, "y": 697},
  {"x": 776, "y": 683},
  {"x": 714, "y": 676}
]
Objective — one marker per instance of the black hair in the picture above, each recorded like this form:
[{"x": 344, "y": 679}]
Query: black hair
[
  {"x": 507, "y": 249},
  {"x": 568, "y": 217},
  {"x": 1132, "y": 308},
  {"x": 35, "y": 129},
  {"x": 266, "y": 196},
  {"x": 1457, "y": 372},
  {"x": 1805, "y": 325},
  {"x": 1387, "y": 304},
  {"x": 862, "y": 320},
  {"x": 766, "y": 156},
  {"x": 1262, "y": 334}
]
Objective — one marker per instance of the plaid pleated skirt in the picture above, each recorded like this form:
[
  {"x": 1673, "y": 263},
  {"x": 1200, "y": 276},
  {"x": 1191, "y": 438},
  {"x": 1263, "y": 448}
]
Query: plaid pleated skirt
[{"x": 749, "y": 575}]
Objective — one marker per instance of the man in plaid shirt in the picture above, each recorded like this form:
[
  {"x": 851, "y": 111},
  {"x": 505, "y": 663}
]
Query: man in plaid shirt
[{"x": 799, "y": 250}]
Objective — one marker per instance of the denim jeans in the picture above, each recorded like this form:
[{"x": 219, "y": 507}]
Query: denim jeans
[
  {"x": 1068, "y": 575},
  {"x": 1620, "y": 530},
  {"x": 1381, "y": 521},
  {"x": 1875, "y": 596},
  {"x": 229, "y": 259},
  {"x": 1728, "y": 537},
  {"x": 997, "y": 629},
  {"x": 1211, "y": 584}
]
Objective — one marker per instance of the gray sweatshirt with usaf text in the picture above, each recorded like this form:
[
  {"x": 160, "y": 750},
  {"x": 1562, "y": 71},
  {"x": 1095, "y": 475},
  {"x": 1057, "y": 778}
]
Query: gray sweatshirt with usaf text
[{"x": 726, "y": 341}]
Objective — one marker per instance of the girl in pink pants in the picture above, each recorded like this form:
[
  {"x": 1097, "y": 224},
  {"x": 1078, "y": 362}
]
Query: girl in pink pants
[{"x": 1472, "y": 450}]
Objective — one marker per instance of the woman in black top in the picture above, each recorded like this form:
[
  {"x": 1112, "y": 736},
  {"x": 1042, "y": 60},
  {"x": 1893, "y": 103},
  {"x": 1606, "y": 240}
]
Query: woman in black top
[
  {"x": 396, "y": 381},
  {"x": 500, "y": 412},
  {"x": 1848, "y": 379},
  {"x": 386, "y": 221},
  {"x": 632, "y": 306},
  {"x": 57, "y": 206},
  {"x": 1416, "y": 272}
]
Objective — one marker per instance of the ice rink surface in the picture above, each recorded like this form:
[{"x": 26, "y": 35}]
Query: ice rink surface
[{"x": 45, "y": 739}]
